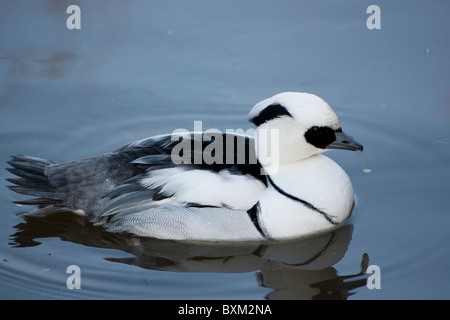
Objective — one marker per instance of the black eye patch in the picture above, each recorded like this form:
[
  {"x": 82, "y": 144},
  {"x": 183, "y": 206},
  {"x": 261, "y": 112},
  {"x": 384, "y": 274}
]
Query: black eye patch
[{"x": 320, "y": 137}]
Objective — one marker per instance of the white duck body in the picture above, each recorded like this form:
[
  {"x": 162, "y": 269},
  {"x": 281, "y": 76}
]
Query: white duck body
[
  {"x": 317, "y": 180},
  {"x": 139, "y": 189}
]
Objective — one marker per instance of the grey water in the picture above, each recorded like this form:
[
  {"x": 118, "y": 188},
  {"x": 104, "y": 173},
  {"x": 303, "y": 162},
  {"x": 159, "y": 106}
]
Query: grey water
[{"x": 142, "y": 68}]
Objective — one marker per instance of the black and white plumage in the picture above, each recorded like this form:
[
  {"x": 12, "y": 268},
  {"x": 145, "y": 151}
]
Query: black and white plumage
[{"x": 234, "y": 195}]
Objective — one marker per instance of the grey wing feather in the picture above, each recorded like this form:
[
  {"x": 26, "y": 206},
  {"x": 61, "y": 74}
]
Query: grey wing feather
[
  {"x": 168, "y": 221},
  {"x": 126, "y": 201}
]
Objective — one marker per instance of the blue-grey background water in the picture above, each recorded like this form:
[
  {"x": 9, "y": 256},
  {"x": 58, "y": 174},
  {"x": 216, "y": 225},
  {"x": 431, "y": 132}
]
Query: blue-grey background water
[{"x": 141, "y": 68}]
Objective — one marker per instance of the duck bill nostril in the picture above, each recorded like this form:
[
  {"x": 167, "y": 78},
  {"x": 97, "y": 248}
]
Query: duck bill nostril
[{"x": 344, "y": 142}]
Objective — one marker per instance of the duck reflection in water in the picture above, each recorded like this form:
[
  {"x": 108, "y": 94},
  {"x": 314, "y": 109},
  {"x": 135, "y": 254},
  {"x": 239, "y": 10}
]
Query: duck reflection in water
[{"x": 295, "y": 269}]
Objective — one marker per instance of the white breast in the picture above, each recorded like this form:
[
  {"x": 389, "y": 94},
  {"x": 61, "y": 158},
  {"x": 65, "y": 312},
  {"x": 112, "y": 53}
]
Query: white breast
[{"x": 317, "y": 180}]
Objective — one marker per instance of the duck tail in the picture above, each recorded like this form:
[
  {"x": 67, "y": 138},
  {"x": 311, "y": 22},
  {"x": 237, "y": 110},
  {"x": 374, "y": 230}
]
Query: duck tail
[{"x": 32, "y": 181}]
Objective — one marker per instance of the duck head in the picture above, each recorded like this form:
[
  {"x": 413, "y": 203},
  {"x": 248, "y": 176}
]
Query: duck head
[{"x": 300, "y": 125}]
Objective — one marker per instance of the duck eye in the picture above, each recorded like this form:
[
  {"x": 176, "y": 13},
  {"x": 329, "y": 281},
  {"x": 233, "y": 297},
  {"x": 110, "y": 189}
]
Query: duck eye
[{"x": 314, "y": 130}]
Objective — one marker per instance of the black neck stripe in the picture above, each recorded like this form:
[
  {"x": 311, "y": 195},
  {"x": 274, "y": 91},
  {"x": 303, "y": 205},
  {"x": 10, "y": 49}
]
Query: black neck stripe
[
  {"x": 253, "y": 213},
  {"x": 305, "y": 203}
]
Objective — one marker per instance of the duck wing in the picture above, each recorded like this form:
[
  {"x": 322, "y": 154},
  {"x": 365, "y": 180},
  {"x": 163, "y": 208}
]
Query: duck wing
[{"x": 187, "y": 171}]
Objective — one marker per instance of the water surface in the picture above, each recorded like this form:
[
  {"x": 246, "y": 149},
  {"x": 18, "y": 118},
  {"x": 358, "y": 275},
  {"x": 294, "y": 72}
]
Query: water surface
[{"x": 141, "y": 68}]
